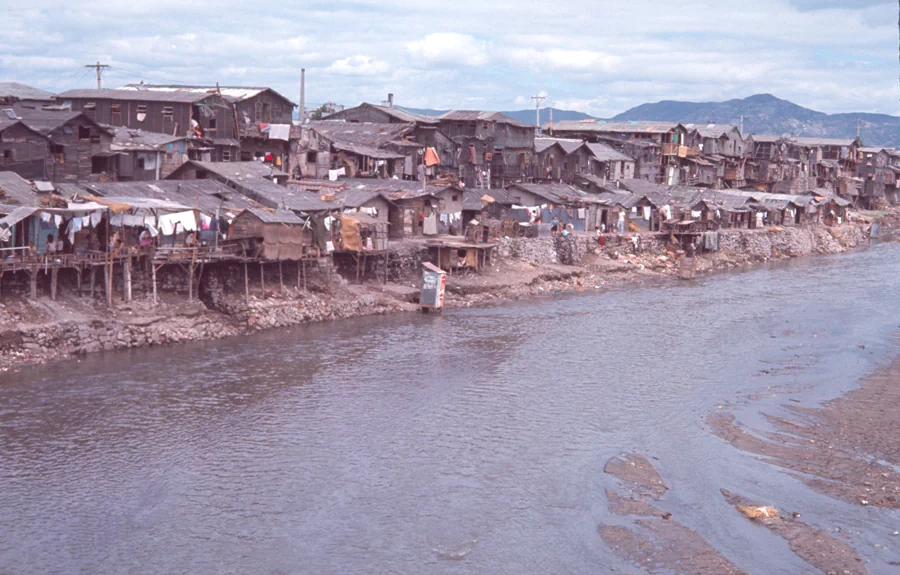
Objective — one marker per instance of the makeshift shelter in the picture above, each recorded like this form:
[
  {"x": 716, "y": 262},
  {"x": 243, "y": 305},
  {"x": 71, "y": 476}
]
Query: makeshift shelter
[
  {"x": 360, "y": 232},
  {"x": 273, "y": 235}
]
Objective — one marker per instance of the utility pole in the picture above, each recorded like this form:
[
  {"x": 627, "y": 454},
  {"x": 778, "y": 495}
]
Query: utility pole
[
  {"x": 302, "y": 95},
  {"x": 537, "y": 111},
  {"x": 99, "y": 67}
]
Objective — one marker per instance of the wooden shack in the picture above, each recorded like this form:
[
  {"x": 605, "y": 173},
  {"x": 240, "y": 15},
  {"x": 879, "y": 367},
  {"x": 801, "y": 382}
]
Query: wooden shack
[{"x": 272, "y": 235}]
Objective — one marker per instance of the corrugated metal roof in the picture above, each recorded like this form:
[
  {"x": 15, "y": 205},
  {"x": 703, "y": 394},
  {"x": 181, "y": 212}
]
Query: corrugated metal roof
[
  {"x": 179, "y": 96},
  {"x": 480, "y": 116},
  {"x": 23, "y": 92},
  {"x": 555, "y": 193},
  {"x": 276, "y": 216},
  {"x": 604, "y": 153},
  {"x": 16, "y": 190},
  {"x": 396, "y": 113},
  {"x": 365, "y": 138},
  {"x": 568, "y": 145},
  {"x": 45, "y": 121},
  {"x": 816, "y": 141},
  {"x": 713, "y": 130},
  {"x": 210, "y": 195},
  {"x": 131, "y": 139},
  {"x": 602, "y": 126},
  {"x": 233, "y": 93},
  {"x": 240, "y": 170}
]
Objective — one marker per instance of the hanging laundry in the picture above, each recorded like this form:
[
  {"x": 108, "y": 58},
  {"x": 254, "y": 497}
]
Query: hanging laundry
[
  {"x": 473, "y": 156},
  {"x": 279, "y": 132},
  {"x": 342, "y": 171},
  {"x": 153, "y": 231},
  {"x": 45, "y": 217},
  {"x": 58, "y": 220},
  {"x": 333, "y": 175},
  {"x": 205, "y": 221},
  {"x": 431, "y": 157},
  {"x": 96, "y": 217},
  {"x": 116, "y": 220},
  {"x": 646, "y": 212},
  {"x": 429, "y": 225},
  {"x": 580, "y": 213},
  {"x": 86, "y": 221},
  {"x": 269, "y": 157},
  {"x": 408, "y": 166}
]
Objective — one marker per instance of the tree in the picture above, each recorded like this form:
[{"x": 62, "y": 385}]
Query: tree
[{"x": 321, "y": 112}]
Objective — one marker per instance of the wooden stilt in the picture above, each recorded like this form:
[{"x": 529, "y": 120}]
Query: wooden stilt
[
  {"x": 1, "y": 282},
  {"x": 79, "y": 272},
  {"x": 126, "y": 273},
  {"x": 199, "y": 279},
  {"x": 386, "y": 259},
  {"x": 304, "y": 274},
  {"x": 357, "y": 267},
  {"x": 107, "y": 283},
  {"x": 34, "y": 272},
  {"x": 246, "y": 284},
  {"x": 191, "y": 276},
  {"x": 53, "y": 276},
  {"x": 262, "y": 279},
  {"x": 93, "y": 279},
  {"x": 153, "y": 269},
  {"x": 280, "y": 279}
]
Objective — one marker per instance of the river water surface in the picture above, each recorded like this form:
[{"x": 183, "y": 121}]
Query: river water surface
[{"x": 468, "y": 443}]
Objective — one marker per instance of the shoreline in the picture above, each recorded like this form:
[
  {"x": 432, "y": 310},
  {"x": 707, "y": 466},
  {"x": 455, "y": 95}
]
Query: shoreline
[{"x": 527, "y": 268}]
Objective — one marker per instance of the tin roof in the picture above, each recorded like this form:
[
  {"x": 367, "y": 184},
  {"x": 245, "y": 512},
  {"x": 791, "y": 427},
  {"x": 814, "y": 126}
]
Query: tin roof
[
  {"x": 568, "y": 145},
  {"x": 176, "y": 96},
  {"x": 481, "y": 116},
  {"x": 131, "y": 139},
  {"x": 364, "y": 138},
  {"x": 16, "y": 190},
  {"x": 604, "y": 153},
  {"x": 601, "y": 126},
  {"x": 17, "y": 91},
  {"x": 232, "y": 93}
]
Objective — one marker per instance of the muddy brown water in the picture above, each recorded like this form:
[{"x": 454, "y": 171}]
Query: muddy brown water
[{"x": 474, "y": 442}]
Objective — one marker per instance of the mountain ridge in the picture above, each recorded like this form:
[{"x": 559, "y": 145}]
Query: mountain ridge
[{"x": 762, "y": 114}]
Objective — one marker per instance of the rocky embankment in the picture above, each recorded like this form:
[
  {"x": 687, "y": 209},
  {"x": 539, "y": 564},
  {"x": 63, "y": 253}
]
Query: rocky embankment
[{"x": 35, "y": 332}]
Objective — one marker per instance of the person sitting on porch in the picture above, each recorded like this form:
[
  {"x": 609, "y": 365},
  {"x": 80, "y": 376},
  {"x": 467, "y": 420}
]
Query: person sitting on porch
[
  {"x": 190, "y": 240},
  {"x": 51, "y": 245},
  {"x": 145, "y": 239}
]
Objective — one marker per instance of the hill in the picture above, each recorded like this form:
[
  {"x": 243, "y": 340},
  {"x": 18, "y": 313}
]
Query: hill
[{"x": 766, "y": 114}]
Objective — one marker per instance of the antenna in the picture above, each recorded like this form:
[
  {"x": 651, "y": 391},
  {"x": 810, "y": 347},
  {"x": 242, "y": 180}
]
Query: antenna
[{"x": 99, "y": 67}]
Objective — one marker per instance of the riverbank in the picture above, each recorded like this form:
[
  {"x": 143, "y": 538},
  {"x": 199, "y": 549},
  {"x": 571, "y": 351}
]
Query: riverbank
[{"x": 37, "y": 331}]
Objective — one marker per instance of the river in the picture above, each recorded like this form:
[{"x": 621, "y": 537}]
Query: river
[{"x": 472, "y": 442}]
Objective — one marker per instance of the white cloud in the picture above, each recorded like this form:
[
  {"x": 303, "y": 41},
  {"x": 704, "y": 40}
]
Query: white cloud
[
  {"x": 359, "y": 66},
  {"x": 450, "y": 48},
  {"x": 560, "y": 59}
]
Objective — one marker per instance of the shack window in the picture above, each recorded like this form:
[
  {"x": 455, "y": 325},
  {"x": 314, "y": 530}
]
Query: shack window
[
  {"x": 226, "y": 155},
  {"x": 168, "y": 112},
  {"x": 84, "y": 133},
  {"x": 455, "y": 197},
  {"x": 90, "y": 107},
  {"x": 212, "y": 126},
  {"x": 246, "y": 157},
  {"x": 311, "y": 157},
  {"x": 116, "y": 113},
  {"x": 141, "y": 113},
  {"x": 140, "y": 163},
  {"x": 9, "y": 155}
]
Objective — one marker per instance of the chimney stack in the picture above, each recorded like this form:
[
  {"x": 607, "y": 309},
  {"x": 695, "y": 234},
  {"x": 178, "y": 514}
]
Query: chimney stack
[
  {"x": 390, "y": 100},
  {"x": 302, "y": 95}
]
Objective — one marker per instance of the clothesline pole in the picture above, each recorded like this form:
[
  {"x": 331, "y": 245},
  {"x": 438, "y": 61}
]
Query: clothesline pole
[{"x": 109, "y": 274}]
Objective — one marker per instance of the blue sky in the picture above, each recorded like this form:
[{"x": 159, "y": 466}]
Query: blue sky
[{"x": 597, "y": 57}]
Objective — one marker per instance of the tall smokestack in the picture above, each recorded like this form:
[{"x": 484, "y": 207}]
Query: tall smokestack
[
  {"x": 302, "y": 95},
  {"x": 390, "y": 100}
]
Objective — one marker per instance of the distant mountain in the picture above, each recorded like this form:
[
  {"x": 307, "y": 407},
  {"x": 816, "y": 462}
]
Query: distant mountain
[
  {"x": 524, "y": 116},
  {"x": 766, "y": 114}
]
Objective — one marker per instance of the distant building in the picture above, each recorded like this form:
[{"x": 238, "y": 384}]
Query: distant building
[{"x": 14, "y": 93}]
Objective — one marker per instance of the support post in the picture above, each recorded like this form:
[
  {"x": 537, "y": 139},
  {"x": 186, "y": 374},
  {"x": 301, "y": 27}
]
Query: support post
[
  {"x": 153, "y": 268},
  {"x": 246, "y": 284},
  {"x": 387, "y": 256},
  {"x": 357, "y": 267},
  {"x": 33, "y": 278},
  {"x": 191, "y": 275},
  {"x": 53, "y": 276},
  {"x": 280, "y": 279},
  {"x": 262, "y": 278},
  {"x": 107, "y": 283},
  {"x": 126, "y": 272},
  {"x": 93, "y": 279},
  {"x": 79, "y": 271}
]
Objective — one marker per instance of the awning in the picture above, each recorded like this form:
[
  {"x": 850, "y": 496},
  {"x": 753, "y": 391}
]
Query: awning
[{"x": 17, "y": 215}]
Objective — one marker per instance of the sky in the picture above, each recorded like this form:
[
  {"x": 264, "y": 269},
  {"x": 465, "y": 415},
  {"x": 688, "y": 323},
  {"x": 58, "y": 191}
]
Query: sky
[{"x": 599, "y": 57}]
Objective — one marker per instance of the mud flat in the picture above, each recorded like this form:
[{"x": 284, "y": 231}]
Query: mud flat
[{"x": 848, "y": 449}]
